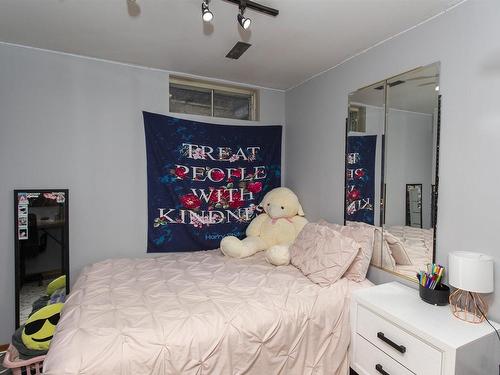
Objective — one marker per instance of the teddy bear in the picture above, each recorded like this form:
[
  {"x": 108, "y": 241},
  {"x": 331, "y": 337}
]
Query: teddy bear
[{"x": 274, "y": 230}]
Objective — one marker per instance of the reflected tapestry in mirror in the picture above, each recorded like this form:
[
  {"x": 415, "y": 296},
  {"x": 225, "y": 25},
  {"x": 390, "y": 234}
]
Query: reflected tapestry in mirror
[{"x": 364, "y": 140}]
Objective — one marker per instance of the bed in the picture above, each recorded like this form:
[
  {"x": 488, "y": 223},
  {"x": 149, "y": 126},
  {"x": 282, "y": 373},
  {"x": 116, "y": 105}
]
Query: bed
[
  {"x": 201, "y": 313},
  {"x": 418, "y": 244}
]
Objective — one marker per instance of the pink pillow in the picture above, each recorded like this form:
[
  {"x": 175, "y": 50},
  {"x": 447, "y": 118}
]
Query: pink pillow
[
  {"x": 322, "y": 254},
  {"x": 382, "y": 255},
  {"x": 362, "y": 235},
  {"x": 397, "y": 249}
]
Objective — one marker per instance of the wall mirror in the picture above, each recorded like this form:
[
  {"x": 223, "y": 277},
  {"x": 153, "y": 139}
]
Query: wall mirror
[
  {"x": 41, "y": 249},
  {"x": 414, "y": 205},
  {"x": 392, "y": 153}
]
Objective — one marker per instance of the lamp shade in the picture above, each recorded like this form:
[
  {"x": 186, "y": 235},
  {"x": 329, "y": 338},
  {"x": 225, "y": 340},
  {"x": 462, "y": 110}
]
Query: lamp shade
[{"x": 470, "y": 271}]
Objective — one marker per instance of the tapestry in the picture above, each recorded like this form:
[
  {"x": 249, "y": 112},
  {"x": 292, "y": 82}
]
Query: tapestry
[
  {"x": 360, "y": 178},
  {"x": 206, "y": 181}
]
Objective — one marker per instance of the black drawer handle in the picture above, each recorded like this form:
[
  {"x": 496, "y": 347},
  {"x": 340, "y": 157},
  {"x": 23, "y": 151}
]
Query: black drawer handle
[
  {"x": 399, "y": 348},
  {"x": 380, "y": 369}
]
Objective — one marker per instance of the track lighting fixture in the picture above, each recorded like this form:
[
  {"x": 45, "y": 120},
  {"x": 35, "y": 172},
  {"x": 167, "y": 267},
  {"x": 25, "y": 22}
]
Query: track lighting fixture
[
  {"x": 206, "y": 14},
  {"x": 243, "y": 21}
]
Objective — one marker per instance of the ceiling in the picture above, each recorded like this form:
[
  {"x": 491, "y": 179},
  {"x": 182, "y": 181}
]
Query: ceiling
[
  {"x": 415, "y": 91},
  {"x": 308, "y": 36}
]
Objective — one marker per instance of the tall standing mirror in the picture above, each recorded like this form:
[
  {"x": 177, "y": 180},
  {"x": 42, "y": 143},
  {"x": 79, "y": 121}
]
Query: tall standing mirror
[
  {"x": 41, "y": 248},
  {"x": 392, "y": 151}
]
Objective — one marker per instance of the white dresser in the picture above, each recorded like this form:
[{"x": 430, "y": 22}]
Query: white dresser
[{"x": 396, "y": 333}]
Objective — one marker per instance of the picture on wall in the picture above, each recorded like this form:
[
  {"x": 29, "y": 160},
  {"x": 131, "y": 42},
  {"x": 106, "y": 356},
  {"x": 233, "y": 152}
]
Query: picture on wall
[
  {"x": 360, "y": 178},
  {"x": 206, "y": 181}
]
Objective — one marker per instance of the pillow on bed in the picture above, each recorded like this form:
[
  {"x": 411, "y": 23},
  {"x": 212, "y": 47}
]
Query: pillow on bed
[
  {"x": 323, "y": 254},
  {"x": 364, "y": 236},
  {"x": 397, "y": 249},
  {"x": 382, "y": 255}
]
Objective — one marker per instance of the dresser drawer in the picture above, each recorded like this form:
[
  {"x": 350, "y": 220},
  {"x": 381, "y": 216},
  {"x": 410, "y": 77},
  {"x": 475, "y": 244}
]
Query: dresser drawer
[
  {"x": 369, "y": 360},
  {"x": 411, "y": 352}
]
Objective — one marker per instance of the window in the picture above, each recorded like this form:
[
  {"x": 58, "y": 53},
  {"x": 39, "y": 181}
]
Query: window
[
  {"x": 357, "y": 117},
  {"x": 207, "y": 99}
]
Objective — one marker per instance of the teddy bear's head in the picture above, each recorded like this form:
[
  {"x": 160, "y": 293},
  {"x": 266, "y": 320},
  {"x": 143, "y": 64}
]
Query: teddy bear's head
[{"x": 281, "y": 202}]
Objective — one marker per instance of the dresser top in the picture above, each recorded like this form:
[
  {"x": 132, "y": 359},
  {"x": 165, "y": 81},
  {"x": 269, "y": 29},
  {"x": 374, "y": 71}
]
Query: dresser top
[{"x": 403, "y": 306}]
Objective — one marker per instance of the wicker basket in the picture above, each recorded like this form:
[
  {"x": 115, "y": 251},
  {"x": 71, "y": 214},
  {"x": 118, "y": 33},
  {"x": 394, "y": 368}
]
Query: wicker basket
[{"x": 32, "y": 366}]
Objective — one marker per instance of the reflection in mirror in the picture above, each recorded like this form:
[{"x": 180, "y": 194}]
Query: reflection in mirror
[
  {"x": 391, "y": 168},
  {"x": 414, "y": 205},
  {"x": 364, "y": 145},
  {"x": 410, "y": 168},
  {"x": 41, "y": 245}
]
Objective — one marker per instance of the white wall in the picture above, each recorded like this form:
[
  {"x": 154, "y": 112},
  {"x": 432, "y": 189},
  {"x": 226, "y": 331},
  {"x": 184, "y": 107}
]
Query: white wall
[
  {"x": 408, "y": 161},
  {"x": 72, "y": 122},
  {"x": 466, "y": 41}
]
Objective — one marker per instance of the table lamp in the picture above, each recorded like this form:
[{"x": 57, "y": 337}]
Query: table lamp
[{"x": 471, "y": 273}]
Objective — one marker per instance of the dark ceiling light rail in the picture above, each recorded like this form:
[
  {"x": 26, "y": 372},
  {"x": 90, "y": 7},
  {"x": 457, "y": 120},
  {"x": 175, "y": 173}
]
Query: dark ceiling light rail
[
  {"x": 257, "y": 7},
  {"x": 244, "y": 22}
]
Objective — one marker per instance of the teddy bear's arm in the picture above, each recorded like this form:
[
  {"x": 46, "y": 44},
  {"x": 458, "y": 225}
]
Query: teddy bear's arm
[
  {"x": 299, "y": 222},
  {"x": 255, "y": 225}
]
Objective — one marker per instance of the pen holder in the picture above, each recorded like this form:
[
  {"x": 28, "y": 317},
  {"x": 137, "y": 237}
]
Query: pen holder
[{"x": 438, "y": 296}]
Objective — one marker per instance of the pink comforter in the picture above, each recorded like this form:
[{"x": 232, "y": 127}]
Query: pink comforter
[{"x": 201, "y": 313}]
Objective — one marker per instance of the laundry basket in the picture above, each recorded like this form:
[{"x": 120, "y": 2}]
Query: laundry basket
[{"x": 32, "y": 366}]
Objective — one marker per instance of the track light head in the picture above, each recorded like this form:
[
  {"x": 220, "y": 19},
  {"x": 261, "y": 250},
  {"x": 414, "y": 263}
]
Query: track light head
[
  {"x": 243, "y": 21},
  {"x": 206, "y": 14}
]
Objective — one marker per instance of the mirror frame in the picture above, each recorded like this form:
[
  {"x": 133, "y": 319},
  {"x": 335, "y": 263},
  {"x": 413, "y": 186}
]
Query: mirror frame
[{"x": 65, "y": 248}]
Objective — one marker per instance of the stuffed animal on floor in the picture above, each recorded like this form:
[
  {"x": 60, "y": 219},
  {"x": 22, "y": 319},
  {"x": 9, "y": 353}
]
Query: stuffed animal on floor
[
  {"x": 273, "y": 231},
  {"x": 40, "y": 327}
]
